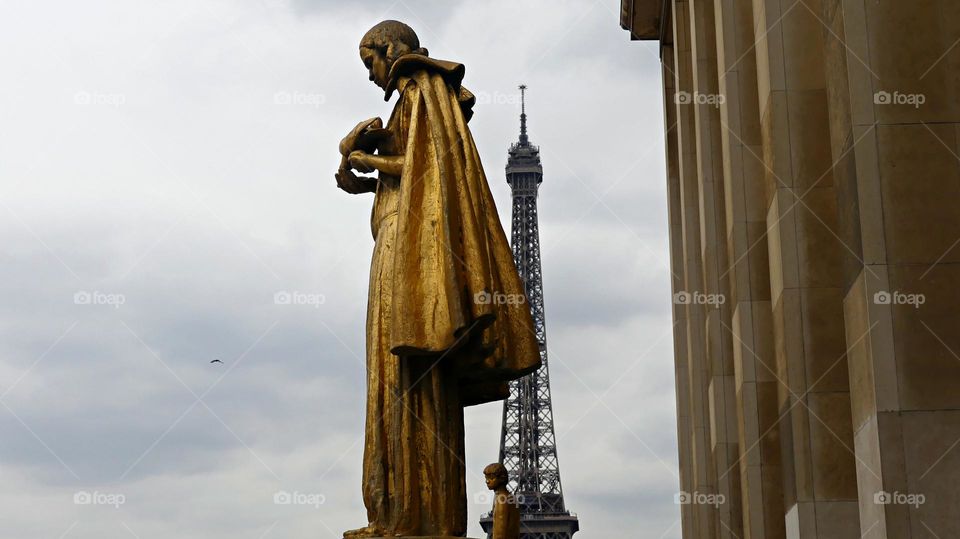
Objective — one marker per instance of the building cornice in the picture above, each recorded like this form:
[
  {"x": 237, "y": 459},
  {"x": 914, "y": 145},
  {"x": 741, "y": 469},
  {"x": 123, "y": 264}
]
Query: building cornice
[{"x": 643, "y": 18}]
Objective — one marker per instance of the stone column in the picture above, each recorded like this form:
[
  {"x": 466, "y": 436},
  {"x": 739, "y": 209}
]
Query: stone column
[
  {"x": 675, "y": 213},
  {"x": 894, "y": 81},
  {"x": 721, "y": 393},
  {"x": 701, "y": 475},
  {"x": 758, "y": 463},
  {"x": 806, "y": 278}
]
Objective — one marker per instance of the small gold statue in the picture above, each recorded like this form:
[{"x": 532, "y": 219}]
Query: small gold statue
[
  {"x": 435, "y": 340},
  {"x": 506, "y": 513}
]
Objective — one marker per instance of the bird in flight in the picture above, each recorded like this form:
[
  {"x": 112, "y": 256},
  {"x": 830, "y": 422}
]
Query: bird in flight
[{"x": 216, "y": 361}]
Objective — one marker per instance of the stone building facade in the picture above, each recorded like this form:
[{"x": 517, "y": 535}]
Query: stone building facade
[{"x": 813, "y": 173}]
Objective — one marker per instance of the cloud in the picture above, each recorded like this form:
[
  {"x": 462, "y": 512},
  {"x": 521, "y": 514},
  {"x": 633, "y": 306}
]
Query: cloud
[{"x": 174, "y": 163}]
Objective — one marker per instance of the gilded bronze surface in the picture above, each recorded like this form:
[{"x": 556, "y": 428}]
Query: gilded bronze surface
[
  {"x": 437, "y": 339},
  {"x": 506, "y": 513}
]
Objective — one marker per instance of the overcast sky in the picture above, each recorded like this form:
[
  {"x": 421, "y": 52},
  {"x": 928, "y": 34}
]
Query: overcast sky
[{"x": 166, "y": 169}]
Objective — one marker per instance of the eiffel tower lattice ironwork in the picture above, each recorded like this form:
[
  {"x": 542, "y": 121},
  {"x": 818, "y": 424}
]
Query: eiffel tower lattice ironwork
[{"x": 528, "y": 445}]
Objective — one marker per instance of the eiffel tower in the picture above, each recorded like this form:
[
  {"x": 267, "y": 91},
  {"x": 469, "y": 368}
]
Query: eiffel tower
[{"x": 528, "y": 446}]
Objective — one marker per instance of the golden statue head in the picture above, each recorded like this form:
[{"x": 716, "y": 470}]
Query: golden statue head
[
  {"x": 383, "y": 44},
  {"x": 496, "y": 475}
]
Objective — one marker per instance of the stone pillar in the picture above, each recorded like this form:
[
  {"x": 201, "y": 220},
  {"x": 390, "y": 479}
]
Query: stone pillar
[
  {"x": 806, "y": 278},
  {"x": 701, "y": 476},
  {"x": 758, "y": 463},
  {"x": 675, "y": 213},
  {"x": 828, "y": 214},
  {"x": 721, "y": 392},
  {"x": 894, "y": 82}
]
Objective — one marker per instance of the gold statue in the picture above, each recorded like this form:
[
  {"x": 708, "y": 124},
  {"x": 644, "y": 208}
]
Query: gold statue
[
  {"x": 438, "y": 336},
  {"x": 506, "y": 513}
]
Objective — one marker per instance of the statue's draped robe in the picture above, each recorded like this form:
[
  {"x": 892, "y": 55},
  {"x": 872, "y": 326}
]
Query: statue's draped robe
[{"x": 437, "y": 338}]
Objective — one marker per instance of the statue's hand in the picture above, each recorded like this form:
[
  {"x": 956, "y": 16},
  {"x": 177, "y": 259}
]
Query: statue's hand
[
  {"x": 349, "y": 142},
  {"x": 360, "y": 161},
  {"x": 351, "y": 183}
]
